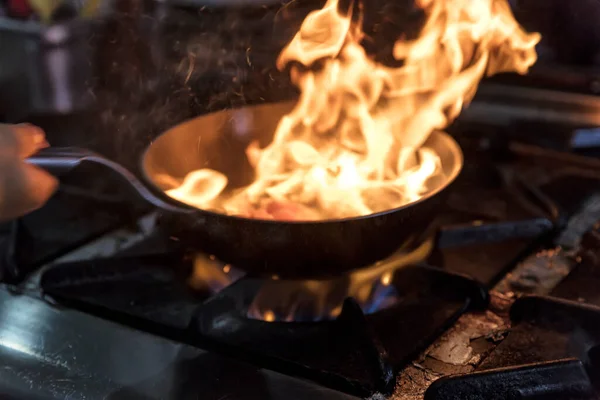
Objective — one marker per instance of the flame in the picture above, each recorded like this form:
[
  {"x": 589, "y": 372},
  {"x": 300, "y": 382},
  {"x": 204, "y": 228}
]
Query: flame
[
  {"x": 209, "y": 275},
  {"x": 354, "y": 143},
  {"x": 314, "y": 300}
]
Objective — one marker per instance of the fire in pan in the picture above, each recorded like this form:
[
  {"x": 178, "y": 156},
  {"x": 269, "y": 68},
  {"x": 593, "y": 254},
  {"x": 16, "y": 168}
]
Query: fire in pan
[
  {"x": 355, "y": 168},
  {"x": 292, "y": 247}
]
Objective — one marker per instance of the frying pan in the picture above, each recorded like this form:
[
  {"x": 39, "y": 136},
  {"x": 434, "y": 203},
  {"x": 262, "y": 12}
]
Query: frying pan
[{"x": 288, "y": 249}]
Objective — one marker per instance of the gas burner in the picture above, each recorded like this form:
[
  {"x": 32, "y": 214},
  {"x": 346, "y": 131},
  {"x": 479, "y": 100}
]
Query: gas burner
[
  {"x": 366, "y": 347},
  {"x": 315, "y": 300}
]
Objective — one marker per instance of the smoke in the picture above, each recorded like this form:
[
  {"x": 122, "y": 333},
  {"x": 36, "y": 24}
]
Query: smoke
[
  {"x": 154, "y": 71},
  {"x": 151, "y": 74}
]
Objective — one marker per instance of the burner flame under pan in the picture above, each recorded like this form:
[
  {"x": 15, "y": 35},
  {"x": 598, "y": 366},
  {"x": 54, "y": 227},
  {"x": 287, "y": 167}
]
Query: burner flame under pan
[{"x": 315, "y": 300}]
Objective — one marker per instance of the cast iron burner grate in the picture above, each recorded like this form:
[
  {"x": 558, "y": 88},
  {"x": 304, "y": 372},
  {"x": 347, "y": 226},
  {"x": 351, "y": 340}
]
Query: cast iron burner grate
[
  {"x": 553, "y": 349},
  {"x": 535, "y": 381},
  {"x": 354, "y": 353},
  {"x": 525, "y": 366}
]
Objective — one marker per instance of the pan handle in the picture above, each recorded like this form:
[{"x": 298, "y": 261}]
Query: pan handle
[{"x": 60, "y": 160}]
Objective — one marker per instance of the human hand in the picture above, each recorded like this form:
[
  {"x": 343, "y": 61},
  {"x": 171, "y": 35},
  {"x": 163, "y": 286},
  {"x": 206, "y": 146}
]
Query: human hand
[{"x": 23, "y": 187}]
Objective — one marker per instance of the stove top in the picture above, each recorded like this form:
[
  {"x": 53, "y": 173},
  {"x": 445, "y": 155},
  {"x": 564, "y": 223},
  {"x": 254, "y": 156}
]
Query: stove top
[{"x": 100, "y": 300}]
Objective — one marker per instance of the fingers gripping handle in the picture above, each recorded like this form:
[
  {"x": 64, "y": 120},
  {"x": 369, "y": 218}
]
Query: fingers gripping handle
[{"x": 60, "y": 160}]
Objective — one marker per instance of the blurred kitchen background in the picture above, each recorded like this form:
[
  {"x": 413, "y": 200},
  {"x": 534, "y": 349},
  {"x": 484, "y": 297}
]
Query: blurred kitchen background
[{"x": 112, "y": 74}]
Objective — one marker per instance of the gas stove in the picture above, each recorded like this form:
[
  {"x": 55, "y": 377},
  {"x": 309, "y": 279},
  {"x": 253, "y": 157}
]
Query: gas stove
[{"x": 99, "y": 301}]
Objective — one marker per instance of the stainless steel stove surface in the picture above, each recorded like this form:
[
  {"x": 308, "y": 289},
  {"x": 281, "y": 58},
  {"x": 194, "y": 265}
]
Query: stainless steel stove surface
[{"x": 48, "y": 352}]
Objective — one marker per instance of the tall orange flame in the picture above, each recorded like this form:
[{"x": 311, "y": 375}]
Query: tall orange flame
[{"x": 353, "y": 144}]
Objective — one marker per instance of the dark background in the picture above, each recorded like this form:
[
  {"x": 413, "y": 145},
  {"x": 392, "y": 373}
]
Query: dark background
[{"x": 143, "y": 67}]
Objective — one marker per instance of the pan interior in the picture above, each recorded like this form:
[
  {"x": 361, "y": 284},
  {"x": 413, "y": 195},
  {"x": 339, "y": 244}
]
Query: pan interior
[{"x": 218, "y": 141}]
